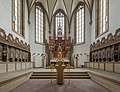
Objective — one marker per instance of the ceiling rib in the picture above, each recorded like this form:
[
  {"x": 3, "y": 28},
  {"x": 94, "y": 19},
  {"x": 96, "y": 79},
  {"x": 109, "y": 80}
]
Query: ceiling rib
[{"x": 52, "y": 6}]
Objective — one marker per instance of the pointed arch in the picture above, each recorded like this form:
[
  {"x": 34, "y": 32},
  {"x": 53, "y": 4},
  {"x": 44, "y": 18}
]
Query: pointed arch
[
  {"x": 80, "y": 23},
  {"x": 39, "y": 23},
  {"x": 60, "y": 22}
]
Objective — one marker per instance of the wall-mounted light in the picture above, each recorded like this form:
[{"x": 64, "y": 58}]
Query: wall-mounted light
[
  {"x": 33, "y": 54},
  {"x": 86, "y": 54},
  {"x": 81, "y": 54},
  {"x": 38, "y": 54}
]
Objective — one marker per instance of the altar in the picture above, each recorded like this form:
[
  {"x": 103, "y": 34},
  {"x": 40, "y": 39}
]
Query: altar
[
  {"x": 65, "y": 62},
  {"x": 59, "y": 46}
]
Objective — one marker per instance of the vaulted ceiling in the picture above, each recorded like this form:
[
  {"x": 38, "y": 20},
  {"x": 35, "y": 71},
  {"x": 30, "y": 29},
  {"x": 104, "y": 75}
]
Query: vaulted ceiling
[{"x": 68, "y": 6}]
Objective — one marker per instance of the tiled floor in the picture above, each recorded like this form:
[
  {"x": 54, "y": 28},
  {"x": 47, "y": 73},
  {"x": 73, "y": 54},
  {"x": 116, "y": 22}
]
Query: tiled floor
[{"x": 75, "y": 85}]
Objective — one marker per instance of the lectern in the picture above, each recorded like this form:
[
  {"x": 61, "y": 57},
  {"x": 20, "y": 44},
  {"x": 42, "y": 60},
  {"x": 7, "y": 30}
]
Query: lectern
[{"x": 60, "y": 74}]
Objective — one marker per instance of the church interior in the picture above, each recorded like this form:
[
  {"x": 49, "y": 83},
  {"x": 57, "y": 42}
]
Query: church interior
[{"x": 59, "y": 46}]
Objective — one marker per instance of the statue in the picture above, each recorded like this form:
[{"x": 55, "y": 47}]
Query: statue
[
  {"x": 59, "y": 48},
  {"x": 59, "y": 52},
  {"x": 44, "y": 58},
  {"x": 76, "y": 60},
  {"x": 59, "y": 34}
]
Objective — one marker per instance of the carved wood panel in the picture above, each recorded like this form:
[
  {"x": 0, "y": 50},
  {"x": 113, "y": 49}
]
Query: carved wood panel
[
  {"x": 27, "y": 56},
  {"x": 23, "y": 55},
  {"x": 20, "y": 59},
  {"x": 16, "y": 55},
  {"x": 1, "y": 50},
  {"x": 96, "y": 56},
  {"x": 119, "y": 52},
  {"x": 108, "y": 54},
  {"x": 4, "y": 53},
  {"x": 12, "y": 54},
  {"x": 93, "y": 56},
  {"x": 103, "y": 55},
  {"x": 108, "y": 48},
  {"x": 112, "y": 53},
  {"x": 11, "y": 49},
  {"x": 99, "y": 56},
  {"x": 8, "y": 53},
  {"x": 116, "y": 52}
]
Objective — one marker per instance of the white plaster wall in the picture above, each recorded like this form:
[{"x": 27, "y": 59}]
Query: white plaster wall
[
  {"x": 114, "y": 19},
  {"x": 6, "y": 19},
  {"x": 84, "y": 48},
  {"x": 35, "y": 47}
]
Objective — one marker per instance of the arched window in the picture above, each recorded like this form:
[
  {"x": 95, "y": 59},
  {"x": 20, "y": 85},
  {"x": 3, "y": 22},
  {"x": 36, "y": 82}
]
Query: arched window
[
  {"x": 60, "y": 25},
  {"x": 80, "y": 24},
  {"x": 18, "y": 16},
  {"x": 101, "y": 16},
  {"x": 39, "y": 24}
]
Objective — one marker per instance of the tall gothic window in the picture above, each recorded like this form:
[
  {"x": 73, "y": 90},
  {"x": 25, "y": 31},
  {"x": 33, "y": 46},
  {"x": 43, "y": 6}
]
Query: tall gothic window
[
  {"x": 18, "y": 16},
  {"x": 60, "y": 25},
  {"x": 101, "y": 16},
  {"x": 39, "y": 24},
  {"x": 80, "y": 24}
]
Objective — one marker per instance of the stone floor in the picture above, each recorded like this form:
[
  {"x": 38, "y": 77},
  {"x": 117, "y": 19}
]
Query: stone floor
[
  {"x": 54, "y": 70},
  {"x": 74, "y": 85}
]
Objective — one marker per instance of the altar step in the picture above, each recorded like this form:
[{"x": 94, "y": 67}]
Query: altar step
[{"x": 49, "y": 75}]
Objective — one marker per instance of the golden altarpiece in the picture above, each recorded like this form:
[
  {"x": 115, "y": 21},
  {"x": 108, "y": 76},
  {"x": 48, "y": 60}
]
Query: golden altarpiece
[{"x": 59, "y": 46}]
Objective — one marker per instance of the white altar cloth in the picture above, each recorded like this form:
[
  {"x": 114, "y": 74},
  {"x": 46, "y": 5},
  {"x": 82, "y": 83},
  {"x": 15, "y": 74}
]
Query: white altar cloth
[{"x": 64, "y": 61}]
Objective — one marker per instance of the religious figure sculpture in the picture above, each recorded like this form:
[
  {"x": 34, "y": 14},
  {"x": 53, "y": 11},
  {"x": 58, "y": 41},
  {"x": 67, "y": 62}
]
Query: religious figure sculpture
[
  {"x": 1, "y": 48},
  {"x": 44, "y": 59},
  {"x": 76, "y": 60},
  {"x": 59, "y": 34},
  {"x": 59, "y": 52}
]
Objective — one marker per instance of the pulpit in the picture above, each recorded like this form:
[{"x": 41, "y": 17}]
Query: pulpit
[{"x": 60, "y": 72}]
